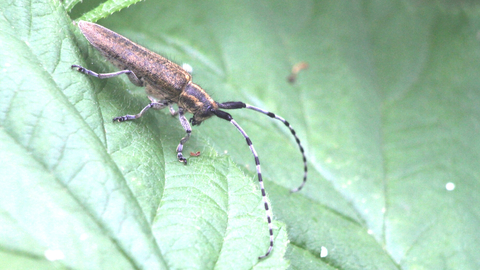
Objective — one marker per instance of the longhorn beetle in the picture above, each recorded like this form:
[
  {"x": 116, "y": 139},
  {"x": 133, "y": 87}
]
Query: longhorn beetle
[{"x": 167, "y": 83}]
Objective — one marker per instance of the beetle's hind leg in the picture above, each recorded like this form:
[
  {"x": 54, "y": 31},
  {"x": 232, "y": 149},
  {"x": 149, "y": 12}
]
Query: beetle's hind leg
[{"x": 133, "y": 78}]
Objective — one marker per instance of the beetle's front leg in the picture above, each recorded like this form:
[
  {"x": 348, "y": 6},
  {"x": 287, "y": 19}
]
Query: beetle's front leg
[{"x": 188, "y": 130}]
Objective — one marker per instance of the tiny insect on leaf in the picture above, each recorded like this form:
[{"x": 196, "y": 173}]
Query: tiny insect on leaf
[{"x": 196, "y": 154}]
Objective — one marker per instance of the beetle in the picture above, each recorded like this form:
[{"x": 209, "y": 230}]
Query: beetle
[{"x": 166, "y": 83}]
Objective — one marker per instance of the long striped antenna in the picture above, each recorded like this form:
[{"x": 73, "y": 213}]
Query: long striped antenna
[
  {"x": 241, "y": 105},
  {"x": 228, "y": 117}
]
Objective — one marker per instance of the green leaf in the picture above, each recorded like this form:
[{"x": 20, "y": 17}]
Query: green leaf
[
  {"x": 70, "y": 4},
  {"x": 105, "y": 9},
  {"x": 388, "y": 114}
]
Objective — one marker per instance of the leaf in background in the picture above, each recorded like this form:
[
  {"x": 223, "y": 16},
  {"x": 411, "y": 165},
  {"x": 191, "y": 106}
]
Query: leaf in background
[
  {"x": 105, "y": 9},
  {"x": 388, "y": 113}
]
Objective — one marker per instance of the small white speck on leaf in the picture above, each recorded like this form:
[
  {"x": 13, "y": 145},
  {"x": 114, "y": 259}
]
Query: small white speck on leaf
[
  {"x": 54, "y": 255},
  {"x": 450, "y": 186},
  {"x": 187, "y": 67},
  {"x": 323, "y": 252}
]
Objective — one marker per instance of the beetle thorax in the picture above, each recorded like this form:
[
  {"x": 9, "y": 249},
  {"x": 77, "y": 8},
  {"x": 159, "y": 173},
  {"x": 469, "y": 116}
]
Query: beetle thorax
[{"x": 196, "y": 101}]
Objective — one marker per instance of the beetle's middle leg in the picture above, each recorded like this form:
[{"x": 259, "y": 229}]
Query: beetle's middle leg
[
  {"x": 172, "y": 111},
  {"x": 157, "y": 105}
]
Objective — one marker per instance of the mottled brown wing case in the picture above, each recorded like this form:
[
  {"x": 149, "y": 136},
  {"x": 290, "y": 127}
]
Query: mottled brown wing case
[{"x": 157, "y": 71}]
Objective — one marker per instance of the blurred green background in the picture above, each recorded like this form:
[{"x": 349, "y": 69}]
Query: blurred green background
[{"x": 388, "y": 112}]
